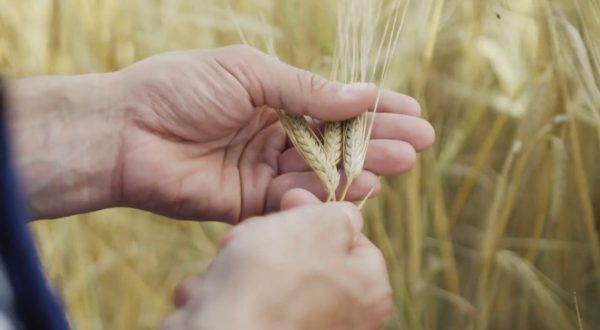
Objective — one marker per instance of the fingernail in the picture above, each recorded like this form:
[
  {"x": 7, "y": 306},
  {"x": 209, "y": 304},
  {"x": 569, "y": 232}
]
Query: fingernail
[
  {"x": 356, "y": 89},
  {"x": 354, "y": 215}
]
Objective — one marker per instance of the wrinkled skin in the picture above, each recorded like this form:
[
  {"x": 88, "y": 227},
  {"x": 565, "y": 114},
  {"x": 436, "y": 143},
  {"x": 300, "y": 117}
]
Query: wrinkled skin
[
  {"x": 203, "y": 141},
  {"x": 193, "y": 135}
]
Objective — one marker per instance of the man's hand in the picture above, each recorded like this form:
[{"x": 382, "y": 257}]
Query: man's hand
[
  {"x": 194, "y": 135},
  {"x": 202, "y": 139},
  {"x": 306, "y": 268}
]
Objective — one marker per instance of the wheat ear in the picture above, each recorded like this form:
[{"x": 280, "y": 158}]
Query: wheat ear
[
  {"x": 357, "y": 31},
  {"x": 356, "y": 141},
  {"x": 311, "y": 150}
]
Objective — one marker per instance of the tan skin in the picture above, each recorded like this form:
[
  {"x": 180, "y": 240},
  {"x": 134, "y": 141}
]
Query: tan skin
[
  {"x": 194, "y": 135},
  {"x": 308, "y": 267}
]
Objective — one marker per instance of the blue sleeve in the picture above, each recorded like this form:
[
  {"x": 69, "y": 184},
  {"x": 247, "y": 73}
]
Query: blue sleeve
[{"x": 35, "y": 305}]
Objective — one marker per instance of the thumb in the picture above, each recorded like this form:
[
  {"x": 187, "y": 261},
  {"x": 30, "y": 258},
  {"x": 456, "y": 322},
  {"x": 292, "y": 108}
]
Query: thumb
[{"x": 275, "y": 84}]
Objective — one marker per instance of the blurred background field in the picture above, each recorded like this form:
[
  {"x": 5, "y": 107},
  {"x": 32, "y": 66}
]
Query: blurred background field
[{"x": 495, "y": 228}]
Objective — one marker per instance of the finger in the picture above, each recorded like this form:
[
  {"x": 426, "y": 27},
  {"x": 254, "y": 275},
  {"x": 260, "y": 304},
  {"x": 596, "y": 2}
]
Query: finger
[
  {"x": 360, "y": 188},
  {"x": 390, "y": 157},
  {"x": 365, "y": 250},
  {"x": 186, "y": 290},
  {"x": 392, "y": 102},
  {"x": 335, "y": 224},
  {"x": 298, "y": 197},
  {"x": 416, "y": 131},
  {"x": 365, "y": 257},
  {"x": 281, "y": 86},
  {"x": 384, "y": 157}
]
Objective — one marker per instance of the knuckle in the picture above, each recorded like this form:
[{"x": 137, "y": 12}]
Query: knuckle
[
  {"x": 316, "y": 82},
  {"x": 340, "y": 224},
  {"x": 309, "y": 84},
  {"x": 331, "y": 224}
]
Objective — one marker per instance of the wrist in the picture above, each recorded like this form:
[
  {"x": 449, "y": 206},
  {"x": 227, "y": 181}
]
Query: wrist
[{"x": 65, "y": 137}]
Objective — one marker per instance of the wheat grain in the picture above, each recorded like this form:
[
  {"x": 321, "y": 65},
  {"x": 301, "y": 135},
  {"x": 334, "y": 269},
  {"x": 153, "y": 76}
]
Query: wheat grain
[{"x": 333, "y": 141}]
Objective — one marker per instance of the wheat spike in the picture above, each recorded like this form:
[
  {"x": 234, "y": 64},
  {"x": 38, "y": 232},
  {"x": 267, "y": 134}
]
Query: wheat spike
[
  {"x": 333, "y": 141},
  {"x": 356, "y": 141},
  {"x": 311, "y": 150},
  {"x": 358, "y": 58},
  {"x": 355, "y": 42}
]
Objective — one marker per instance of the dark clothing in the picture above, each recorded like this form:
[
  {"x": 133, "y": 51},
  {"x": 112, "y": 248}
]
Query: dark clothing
[
  {"x": 8, "y": 318},
  {"x": 34, "y": 305}
]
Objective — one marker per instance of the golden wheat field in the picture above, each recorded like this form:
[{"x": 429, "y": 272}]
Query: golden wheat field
[{"x": 496, "y": 227}]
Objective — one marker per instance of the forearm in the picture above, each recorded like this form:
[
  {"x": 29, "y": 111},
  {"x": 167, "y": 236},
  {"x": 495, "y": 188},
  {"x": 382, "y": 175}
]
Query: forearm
[{"x": 65, "y": 140}]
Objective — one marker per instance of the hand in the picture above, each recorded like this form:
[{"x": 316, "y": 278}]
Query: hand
[
  {"x": 192, "y": 135},
  {"x": 306, "y": 268},
  {"x": 202, "y": 140}
]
